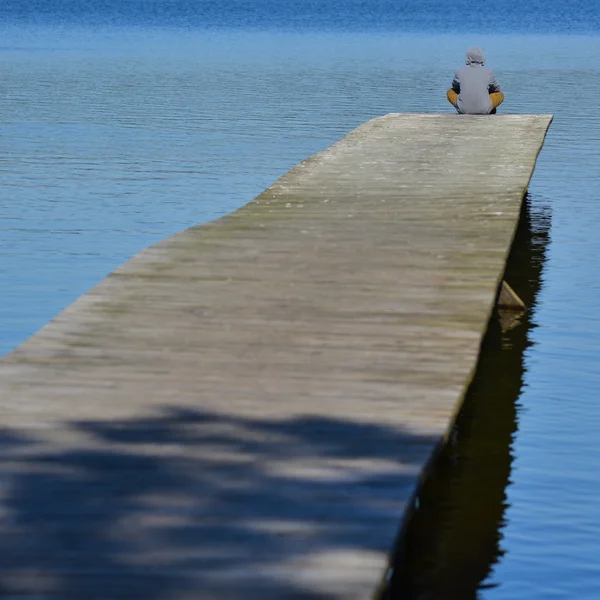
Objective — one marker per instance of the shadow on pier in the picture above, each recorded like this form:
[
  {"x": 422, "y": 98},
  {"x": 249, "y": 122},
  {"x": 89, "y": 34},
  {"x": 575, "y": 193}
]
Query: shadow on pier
[
  {"x": 189, "y": 503},
  {"x": 452, "y": 541}
]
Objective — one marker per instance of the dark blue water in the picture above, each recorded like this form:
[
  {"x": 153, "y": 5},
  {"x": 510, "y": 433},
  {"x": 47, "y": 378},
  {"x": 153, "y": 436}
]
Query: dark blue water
[
  {"x": 123, "y": 122},
  {"x": 505, "y": 16}
]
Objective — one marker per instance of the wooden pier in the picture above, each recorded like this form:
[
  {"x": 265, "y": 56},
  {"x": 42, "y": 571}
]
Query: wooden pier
[{"x": 244, "y": 409}]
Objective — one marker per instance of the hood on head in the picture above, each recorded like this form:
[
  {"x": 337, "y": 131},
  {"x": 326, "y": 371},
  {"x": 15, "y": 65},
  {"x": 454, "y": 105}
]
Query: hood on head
[{"x": 475, "y": 56}]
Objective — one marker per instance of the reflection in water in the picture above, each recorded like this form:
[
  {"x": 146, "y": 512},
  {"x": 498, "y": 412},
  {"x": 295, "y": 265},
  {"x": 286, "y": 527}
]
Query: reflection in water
[{"x": 454, "y": 537}]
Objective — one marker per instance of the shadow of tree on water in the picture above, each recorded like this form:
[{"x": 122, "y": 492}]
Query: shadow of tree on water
[{"x": 188, "y": 503}]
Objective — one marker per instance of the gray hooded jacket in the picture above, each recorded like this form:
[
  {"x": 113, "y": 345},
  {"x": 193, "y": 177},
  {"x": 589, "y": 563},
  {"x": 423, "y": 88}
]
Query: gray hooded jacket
[{"x": 474, "y": 83}]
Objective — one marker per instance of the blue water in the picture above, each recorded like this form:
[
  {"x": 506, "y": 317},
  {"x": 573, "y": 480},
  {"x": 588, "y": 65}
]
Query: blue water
[
  {"x": 505, "y": 16},
  {"x": 123, "y": 122}
]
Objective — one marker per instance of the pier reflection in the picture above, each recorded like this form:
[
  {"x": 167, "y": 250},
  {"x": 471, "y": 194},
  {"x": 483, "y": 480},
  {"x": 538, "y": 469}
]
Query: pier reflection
[{"x": 454, "y": 537}]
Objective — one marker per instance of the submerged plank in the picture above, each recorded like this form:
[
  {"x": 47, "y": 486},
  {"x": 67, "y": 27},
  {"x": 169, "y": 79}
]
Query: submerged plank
[{"x": 244, "y": 409}]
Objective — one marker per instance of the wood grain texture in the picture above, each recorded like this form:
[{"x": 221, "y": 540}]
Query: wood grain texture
[{"x": 244, "y": 409}]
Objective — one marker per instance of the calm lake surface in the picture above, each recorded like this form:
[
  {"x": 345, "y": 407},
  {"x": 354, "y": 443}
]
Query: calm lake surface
[{"x": 121, "y": 125}]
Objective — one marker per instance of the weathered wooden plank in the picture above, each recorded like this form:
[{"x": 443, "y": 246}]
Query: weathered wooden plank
[
  {"x": 243, "y": 410},
  {"x": 509, "y": 299}
]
